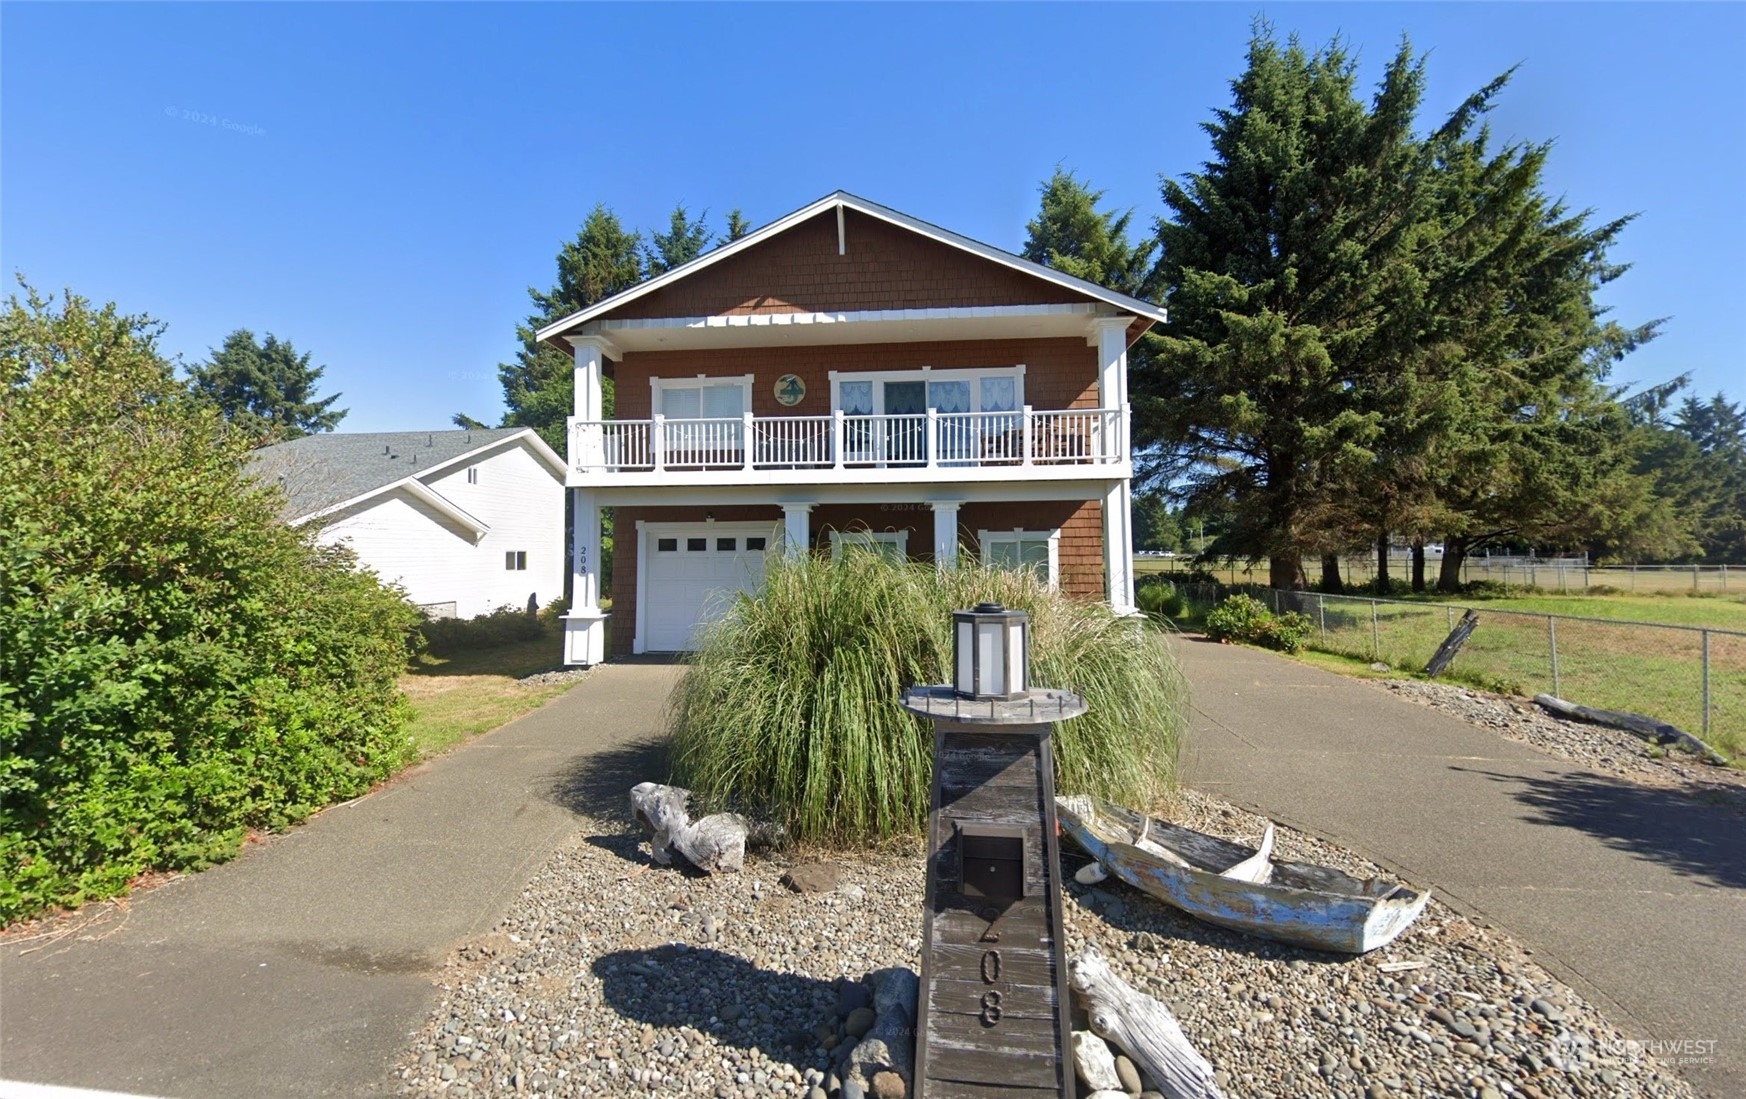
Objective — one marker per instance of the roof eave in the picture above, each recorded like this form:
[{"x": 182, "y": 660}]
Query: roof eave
[{"x": 552, "y": 334}]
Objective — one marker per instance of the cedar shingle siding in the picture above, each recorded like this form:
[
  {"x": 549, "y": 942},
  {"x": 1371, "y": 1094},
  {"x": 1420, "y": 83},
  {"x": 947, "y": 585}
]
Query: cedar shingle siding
[{"x": 885, "y": 267}]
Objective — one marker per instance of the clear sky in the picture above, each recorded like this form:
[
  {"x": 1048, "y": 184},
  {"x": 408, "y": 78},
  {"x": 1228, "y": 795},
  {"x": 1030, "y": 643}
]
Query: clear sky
[{"x": 381, "y": 184}]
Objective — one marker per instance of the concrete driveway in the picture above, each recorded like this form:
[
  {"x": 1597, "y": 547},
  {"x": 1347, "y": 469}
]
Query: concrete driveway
[
  {"x": 299, "y": 968},
  {"x": 1634, "y": 896}
]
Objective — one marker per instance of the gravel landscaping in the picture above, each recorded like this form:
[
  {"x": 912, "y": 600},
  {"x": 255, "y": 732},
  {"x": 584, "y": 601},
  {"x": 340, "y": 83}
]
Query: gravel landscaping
[
  {"x": 1596, "y": 747},
  {"x": 612, "y": 977}
]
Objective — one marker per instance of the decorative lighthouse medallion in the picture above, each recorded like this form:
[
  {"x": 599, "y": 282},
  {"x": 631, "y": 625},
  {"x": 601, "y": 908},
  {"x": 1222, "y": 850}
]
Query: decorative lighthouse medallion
[{"x": 993, "y": 1012}]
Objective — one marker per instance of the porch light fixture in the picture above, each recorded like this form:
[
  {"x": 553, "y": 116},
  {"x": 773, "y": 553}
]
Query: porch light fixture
[{"x": 989, "y": 653}]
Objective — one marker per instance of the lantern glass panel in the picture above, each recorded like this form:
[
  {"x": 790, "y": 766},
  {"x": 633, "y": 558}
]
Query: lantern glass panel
[
  {"x": 963, "y": 651},
  {"x": 991, "y": 658},
  {"x": 1017, "y": 641}
]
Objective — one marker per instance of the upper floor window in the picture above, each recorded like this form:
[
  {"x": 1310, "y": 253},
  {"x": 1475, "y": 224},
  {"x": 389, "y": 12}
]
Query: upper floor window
[
  {"x": 472, "y": 475},
  {"x": 914, "y": 392},
  {"x": 515, "y": 560},
  {"x": 702, "y": 398}
]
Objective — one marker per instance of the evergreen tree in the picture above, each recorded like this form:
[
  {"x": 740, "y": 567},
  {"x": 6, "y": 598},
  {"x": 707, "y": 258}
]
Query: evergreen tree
[
  {"x": 737, "y": 227},
  {"x": 539, "y": 386},
  {"x": 1073, "y": 236},
  {"x": 1288, "y": 266},
  {"x": 684, "y": 240},
  {"x": 264, "y": 390}
]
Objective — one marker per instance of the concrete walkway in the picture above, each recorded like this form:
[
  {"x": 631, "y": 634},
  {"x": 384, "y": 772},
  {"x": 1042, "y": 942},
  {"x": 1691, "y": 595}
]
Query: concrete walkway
[
  {"x": 1636, "y": 897},
  {"x": 300, "y": 968}
]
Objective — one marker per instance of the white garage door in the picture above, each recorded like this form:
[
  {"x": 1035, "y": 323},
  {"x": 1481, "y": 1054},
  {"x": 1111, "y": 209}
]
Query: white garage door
[{"x": 693, "y": 574}]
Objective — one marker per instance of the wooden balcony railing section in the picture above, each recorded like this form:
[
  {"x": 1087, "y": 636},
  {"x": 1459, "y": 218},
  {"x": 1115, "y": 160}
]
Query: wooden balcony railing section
[{"x": 841, "y": 441}]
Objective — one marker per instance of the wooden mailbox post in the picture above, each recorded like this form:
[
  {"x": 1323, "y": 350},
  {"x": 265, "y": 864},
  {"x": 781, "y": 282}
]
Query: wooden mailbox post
[{"x": 992, "y": 1017}]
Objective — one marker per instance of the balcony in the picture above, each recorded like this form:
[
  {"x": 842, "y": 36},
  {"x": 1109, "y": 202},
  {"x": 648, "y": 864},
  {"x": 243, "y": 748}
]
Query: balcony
[{"x": 1072, "y": 444}]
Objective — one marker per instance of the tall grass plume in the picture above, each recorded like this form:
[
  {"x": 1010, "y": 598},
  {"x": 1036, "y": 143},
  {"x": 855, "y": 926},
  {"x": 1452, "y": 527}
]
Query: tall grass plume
[{"x": 790, "y": 705}]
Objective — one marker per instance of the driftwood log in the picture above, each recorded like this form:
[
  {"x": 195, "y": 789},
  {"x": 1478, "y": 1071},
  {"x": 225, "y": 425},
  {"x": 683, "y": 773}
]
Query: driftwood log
[
  {"x": 714, "y": 843},
  {"x": 1452, "y": 644},
  {"x": 1656, "y": 732},
  {"x": 1142, "y": 1028}
]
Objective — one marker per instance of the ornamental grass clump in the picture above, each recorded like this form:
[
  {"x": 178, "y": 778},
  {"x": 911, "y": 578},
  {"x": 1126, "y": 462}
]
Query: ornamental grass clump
[{"x": 790, "y": 706}]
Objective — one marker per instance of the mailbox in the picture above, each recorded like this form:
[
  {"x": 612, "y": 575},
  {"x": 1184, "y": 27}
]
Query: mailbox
[{"x": 993, "y": 1015}]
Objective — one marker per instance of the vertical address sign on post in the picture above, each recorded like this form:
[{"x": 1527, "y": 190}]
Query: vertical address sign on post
[{"x": 993, "y": 1012}]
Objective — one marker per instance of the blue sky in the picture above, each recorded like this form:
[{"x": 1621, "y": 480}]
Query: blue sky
[{"x": 381, "y": 184}]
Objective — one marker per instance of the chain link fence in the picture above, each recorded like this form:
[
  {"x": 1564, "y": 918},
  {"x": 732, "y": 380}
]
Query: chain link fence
[
  {"x": 1553, "y": 574},
  {"x": 1687, "y": 676}
]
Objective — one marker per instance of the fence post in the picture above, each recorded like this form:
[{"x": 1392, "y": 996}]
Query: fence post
[
  {"x": 1322, "y": 616},
  {"x": 1706, "y": 666},
  {"x": 1448, "y": 618},
  {"x": 1724, "y": 577},
  {"x": 1552, "y": 643},
  {"x": 1694, "y": 578},
  {"x": 1375, "y": 634}
]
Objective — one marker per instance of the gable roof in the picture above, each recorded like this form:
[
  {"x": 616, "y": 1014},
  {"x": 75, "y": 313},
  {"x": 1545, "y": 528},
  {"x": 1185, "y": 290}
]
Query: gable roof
[
  {"x": 325, "y": 472},
  {"x": 555, "y": 331}
]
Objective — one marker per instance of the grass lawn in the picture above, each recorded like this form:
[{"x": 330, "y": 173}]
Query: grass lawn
[
  {"x": 468, "y": 694},
  {"x": 1717, "y": 612}
]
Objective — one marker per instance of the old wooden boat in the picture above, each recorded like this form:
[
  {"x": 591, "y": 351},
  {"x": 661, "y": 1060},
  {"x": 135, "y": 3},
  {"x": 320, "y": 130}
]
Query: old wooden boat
[{"x": 1241, "y": 887}]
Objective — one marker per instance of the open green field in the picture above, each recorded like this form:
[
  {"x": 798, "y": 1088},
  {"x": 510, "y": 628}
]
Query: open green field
[{"x": 1614, "y": 652}]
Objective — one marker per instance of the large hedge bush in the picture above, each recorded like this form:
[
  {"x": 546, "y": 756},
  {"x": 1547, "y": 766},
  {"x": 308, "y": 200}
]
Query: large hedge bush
[
  {"x": 176, "y": 665},
  {"x": 790, "y": 706}
]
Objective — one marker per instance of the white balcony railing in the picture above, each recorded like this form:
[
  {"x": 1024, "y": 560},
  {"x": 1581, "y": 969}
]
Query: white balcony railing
[{"x": 840, "y": 441}]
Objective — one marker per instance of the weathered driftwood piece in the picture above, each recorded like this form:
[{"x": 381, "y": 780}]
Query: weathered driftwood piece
[
  {"x": 1452, "y": 644},
  {"x": 660, "y": 809},
  {"x": 1142, "y": 1028},
  {"x": 714, "y": 843},
  {"x": 1656, "y": 732},
  {"x": 1301, "y": 903}
]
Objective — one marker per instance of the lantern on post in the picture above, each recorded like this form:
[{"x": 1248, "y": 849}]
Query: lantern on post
[{"x": 993, "y": 1012}]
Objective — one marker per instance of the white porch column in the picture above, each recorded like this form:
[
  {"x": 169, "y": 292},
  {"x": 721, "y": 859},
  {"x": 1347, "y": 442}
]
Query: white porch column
[
  {"x": 585, "y": 624},
  {"x": 1118, "y": 548},
  {"x": 1112, "y": 362},
  {"x": 590, "y": 451},
  {"x": 946, "y": 533},
  {"x": 796, "y": 529}
]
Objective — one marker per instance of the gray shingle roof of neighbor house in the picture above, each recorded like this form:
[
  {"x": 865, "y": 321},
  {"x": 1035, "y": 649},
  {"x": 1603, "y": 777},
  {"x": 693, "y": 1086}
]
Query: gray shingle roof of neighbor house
[{"x": 320, "y": 471}]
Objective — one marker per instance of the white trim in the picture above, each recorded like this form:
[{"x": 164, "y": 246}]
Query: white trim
[
  {"x": 647, "y": 532},
  {"x": 840, "y": 199},
  {"x": 796, "y": 528},
  {"x": 898, "y": 538},
  {"x": 1087, "y": 310},
  {"x": 526, "y": 436},
  {"x": 676, "y": 494},
  {"x": 1019, "y": 534},
  {"x": 945, "y": 533}
]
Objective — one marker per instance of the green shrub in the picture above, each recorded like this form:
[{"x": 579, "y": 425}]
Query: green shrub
[
  {"x": 790, "y": 707},
  {"x": 447, "y": 637},
  {"x": 1245, "y": 618},
  {"x": 1160, "y": 599},
  {"x": 176, "y": 665}
]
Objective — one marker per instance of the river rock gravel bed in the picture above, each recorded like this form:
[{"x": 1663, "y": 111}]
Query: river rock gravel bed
[
  {"x": 1596, "y": 747},
  {"x": 613, "y": 977}
]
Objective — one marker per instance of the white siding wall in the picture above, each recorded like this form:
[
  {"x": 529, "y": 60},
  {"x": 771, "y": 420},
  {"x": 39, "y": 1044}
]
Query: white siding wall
[{"x": 516, "y": 496}]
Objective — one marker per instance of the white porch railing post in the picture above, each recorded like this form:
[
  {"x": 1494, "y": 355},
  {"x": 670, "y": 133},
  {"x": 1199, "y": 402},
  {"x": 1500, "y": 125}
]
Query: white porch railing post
[
  {"x": 933, "y": 437},
  {"x": 658, "y": 441},
  {"x": 1030, "y": 451},
  {"x": 746, "y": 441},
  {"x": 837, "y": 438}
]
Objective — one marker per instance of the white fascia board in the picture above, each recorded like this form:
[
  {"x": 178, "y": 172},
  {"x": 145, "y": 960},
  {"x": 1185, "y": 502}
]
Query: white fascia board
[
  {"x": 527, "y": 437},
  {"x": 838, "y": 199},
  {"x": 862, "y": 316},
  {"x": 415, "y": 488}
]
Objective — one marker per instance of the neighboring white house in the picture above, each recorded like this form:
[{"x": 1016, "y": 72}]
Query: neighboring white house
[{"x": 465, "y": 521}]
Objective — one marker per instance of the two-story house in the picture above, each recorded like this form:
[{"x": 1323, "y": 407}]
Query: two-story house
[{"x": 847, "y": 375}]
